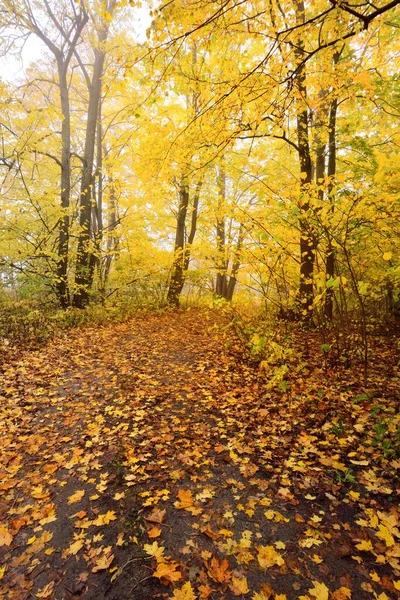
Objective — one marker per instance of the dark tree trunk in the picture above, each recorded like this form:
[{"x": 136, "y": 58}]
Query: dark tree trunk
[
  {"x": 182, "y": 247},
  {"x": 307, "y": 237},
  {"x": 330, "y": 257},
  {"x": 177, "y": 277},
  {"x": 84, "y": 259}
]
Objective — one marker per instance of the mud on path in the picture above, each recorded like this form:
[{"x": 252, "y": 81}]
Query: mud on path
[{"x": 144, "y": 461}]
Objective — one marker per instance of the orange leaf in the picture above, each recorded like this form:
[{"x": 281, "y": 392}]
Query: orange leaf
[
  {"x": 219, "y": 571},
  {"x": 205, "y": 591},
  {"x": 154, "y": 532},
  {"x": 5, "y": 536},
  {"x": 168, "y": 572},
  {"x": 185, "y": 499}
]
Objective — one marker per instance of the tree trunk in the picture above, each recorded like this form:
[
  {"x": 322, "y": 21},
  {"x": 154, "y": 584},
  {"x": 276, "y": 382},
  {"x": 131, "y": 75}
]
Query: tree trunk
[
  {"x": 177, "y": 275},
  {"x": 84, "y": 259},
  {"x": 330, "y": 257},
  {"x": 307, "y": 237},
  {"x": 221, "y": 286},
  {"x": 63, "y": 239}
]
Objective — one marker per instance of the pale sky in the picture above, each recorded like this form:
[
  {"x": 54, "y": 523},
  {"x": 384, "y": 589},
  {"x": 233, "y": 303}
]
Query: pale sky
[{"x": 12, "y": 67}]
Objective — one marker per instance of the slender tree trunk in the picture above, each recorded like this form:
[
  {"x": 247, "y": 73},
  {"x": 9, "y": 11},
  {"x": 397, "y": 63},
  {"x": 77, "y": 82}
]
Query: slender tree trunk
[
  {"x": 235, "y": 266},
  {"x": 307, "y": 238},
  {"x": 182, "y": 246},
  {"x": 177, "y": 275},
  {"x": 221, "y": 282},
  {"x": 63, "y": 239},
  {"x": 330, "y": 257},
  {"x": 112, "y": 241},
  {"x": 84, "y": 260}
]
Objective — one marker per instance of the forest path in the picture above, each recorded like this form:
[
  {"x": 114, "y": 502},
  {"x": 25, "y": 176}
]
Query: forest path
[{"x": 143, "y": 460}]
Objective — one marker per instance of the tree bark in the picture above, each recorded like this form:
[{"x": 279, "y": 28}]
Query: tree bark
[
  {"x": 84, "y": 259},
  {"x": 307, "y": 237},
  {"x": 221, "y": 285},
  {"x": 330, "y": 256}
]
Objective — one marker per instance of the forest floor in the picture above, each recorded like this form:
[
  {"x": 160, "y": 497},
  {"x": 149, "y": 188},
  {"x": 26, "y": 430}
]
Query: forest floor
[{"x": 145, "y": 460}]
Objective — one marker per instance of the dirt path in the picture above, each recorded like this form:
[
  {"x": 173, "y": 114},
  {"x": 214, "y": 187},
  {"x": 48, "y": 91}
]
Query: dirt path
[{"x": 144, "y": 461}]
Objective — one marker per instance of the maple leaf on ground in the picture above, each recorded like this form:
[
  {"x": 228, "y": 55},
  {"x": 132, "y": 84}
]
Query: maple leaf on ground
[
  {"x": 156, "y": 516},
  {"x": 265, "y": 593},
  {"x": 268, "y": 557},
  {"x": 185, "y": 593},
  {"x": 76, "y": 497},
  {"x": 105, "y": 519},
  {"x": 319, "y": 591},
  {"x": 219, "y": 571},
  {"x": 205, "y": 591},
  {"x": 103, "y": 562},
  {"x": 5, "y": 536},
  {"x": 154, "y": 532},
  {"x": 238, "y": 586},
  {"x": 185, "y": 499},
  {"x": 73, "y": 548},
  {"x": 167, "y": 571},
  {"x": 154, "y": 550}
]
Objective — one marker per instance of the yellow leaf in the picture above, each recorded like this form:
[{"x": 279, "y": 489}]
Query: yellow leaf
[
  {"x": 39, "y": 493},
  {"x": 2, "y": 571},
  {"x": 268, "y": 557},
  {"x": 120, "y": 539},
  {"x": 103, "y": 562},
  {"x": 238, "y": 586},
  {"x": 397, "y": 584},
  {"x": 119, "y": 495},
  {"x": 280, "y": 597},
  {"x": 387, "y": 256},
  {"x": 75, "y": 547},
  {"x": 309, "y": 542},
  {"x": 385, "y": 535},
  {"x": 154, "y": 550},
  {"x": 365, "y": 546},
  {"x": 31, "y": 540},
  {"x": 280, "y": 545},
  {"x": 185, "y": 593},
  {"x": 319, "y": 591},
  {"x": 105, "y": 519},
  {"x": 317, "y": 559},
  {"x": 76, "y": 497}
]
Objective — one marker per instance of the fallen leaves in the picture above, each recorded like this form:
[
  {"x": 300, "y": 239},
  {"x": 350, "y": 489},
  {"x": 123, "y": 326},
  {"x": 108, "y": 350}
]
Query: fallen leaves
[
  {"x": 219, "y": 570},
  {"x": 156, "y": 464},
  {"x": 268, "y": 557},
  {"x": 76, "y": 497},
  {"x": 5, "y": 536},
  {"x": 103, "y": 561}
]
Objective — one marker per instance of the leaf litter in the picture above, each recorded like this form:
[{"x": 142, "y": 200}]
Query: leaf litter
[{"x": 145, "y": 460}]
